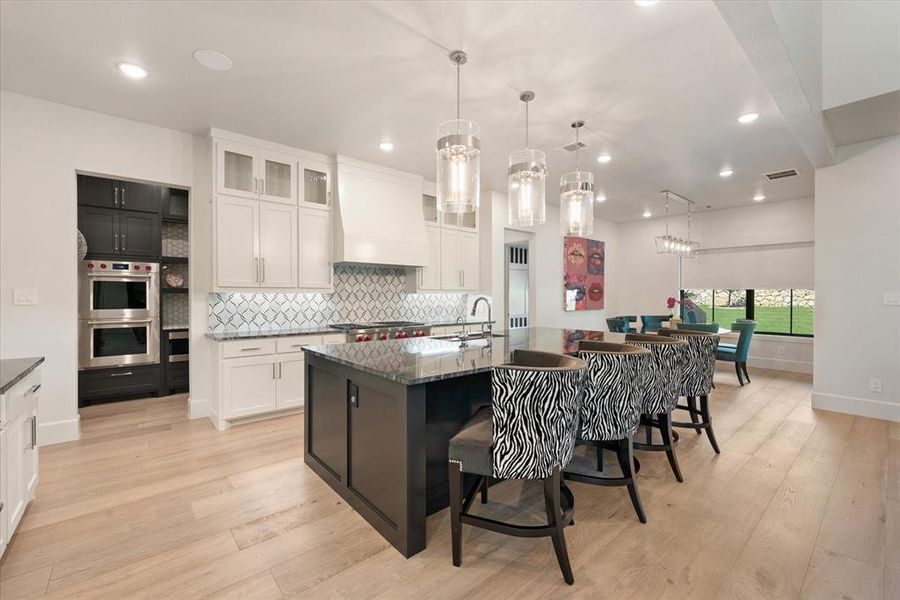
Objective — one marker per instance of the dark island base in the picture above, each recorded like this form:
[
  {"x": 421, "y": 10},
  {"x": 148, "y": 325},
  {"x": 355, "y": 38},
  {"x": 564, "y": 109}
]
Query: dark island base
[{"x": 382, "y": 445}]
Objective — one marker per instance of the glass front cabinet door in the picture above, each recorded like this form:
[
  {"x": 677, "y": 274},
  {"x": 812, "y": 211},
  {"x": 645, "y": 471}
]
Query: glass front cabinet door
[{"x": 315, "y": 184}]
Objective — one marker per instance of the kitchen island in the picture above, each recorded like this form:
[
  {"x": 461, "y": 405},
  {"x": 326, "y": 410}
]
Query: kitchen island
[{"x": 379, "y": 416}]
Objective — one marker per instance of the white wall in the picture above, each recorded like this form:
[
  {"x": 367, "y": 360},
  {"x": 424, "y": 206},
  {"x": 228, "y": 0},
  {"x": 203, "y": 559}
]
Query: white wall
[
  {"x": 800, "y": 25},
  {"x": 857, "y": 261},
  {"x": 546, "y": 274},
  {"x": 647, "y": 279},
  {"x": 42, "y": 145},
  {"x": 860, "y": 50}
]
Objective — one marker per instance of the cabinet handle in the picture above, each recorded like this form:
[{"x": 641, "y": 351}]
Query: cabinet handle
[
  {"x": 257, "y": 269},
  {"x": 250, "y": 349},
  {"x": 116, "y": 242},
  {"x": 279, "y": 370},
  {"x": 299, "y": 345},
  {"x": 263, "y": 260},
  {"x": 273, "y": 370},
  {"x": 123, "y": 238},
  {"x": 123, "y": 196},
  {"x": 34, "y": 388},
  {"x": 116, "y": 196},
  {"x": 255, "y": 184},
  {"x": 33, "y": 432},
  {"x": 125, "y": 374},
  {"x": 262, "y": 184}
]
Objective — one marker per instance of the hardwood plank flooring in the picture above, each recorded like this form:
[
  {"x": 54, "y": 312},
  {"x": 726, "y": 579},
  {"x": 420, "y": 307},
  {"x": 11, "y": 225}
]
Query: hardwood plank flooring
[{"x": 149, "y": 504}]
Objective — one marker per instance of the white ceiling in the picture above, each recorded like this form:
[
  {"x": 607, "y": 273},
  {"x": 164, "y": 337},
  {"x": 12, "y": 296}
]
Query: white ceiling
[{"x": 658, "y": 87}]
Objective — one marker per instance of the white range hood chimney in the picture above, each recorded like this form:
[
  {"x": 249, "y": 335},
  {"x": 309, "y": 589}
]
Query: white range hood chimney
[{"x": 379, "y": 218}]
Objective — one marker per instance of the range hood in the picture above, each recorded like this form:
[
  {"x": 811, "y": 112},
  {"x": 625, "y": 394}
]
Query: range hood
[{"x": 379, "y": 218}]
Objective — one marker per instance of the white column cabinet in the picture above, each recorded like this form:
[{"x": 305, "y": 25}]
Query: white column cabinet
[
  {"x": 237, "y": 242},
  {"x": 278, "y": 245},
  {"x": 315, "y": 248},
  {"x": 451, "y": 276},
  {"x": 430, "y": 275}
]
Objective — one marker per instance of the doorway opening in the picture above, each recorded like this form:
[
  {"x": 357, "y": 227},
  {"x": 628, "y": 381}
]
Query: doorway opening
[{"x": 517, "y": 285}]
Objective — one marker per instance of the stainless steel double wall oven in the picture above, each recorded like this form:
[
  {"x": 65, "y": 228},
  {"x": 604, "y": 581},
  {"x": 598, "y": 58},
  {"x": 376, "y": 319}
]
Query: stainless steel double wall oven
[{"x": 118, "y": 304}]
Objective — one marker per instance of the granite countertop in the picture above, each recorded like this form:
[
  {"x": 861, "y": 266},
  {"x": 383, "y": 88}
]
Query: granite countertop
[
  {"x": 14, "y": 370},
  {"x": 420, "y": 360},
  {"x": 220, "y": 336}
]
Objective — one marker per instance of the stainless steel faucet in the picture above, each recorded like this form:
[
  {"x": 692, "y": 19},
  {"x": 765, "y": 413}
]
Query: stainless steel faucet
[{"x": 475, "y": 309}]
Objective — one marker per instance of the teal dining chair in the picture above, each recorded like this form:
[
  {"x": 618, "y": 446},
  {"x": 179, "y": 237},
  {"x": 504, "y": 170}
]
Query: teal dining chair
[
  {"x": 707, "y": 327},
  {"x": 652, "y": 323},
  {"x": 738, "y": 353},
  {"x": 629, "y": 319},
  {"x": 617, "y": 325}
]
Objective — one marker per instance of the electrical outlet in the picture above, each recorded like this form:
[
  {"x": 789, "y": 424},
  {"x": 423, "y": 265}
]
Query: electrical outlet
[
  {"x": 876, "y": 384},
  {"x": 25, "y": 296},
  {"x": 780, "y": 350}
]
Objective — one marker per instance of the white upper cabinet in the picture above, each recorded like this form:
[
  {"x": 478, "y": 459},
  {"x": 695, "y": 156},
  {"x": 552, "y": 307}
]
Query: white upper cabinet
[
  {"x": 278, "y": 245},
  {"x": 277, "y": 177},
  {"x": 236, "y": 242},
  {"x": 315, "y": 248},
  {"x": 430, "y": 274},
  {"x": 451, "y": 275},
  {"x": 315, "y": 183},
  {"x": 468, "y": 261},
  {"x": 250, "y": 172}
]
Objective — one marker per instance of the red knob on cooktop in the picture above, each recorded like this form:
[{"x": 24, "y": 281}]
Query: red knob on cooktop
[
  {"x": 368, "y": 338},
  {"x": 102, "y": 265},
  {"x": 90, "y": 265},
  {"x": 147, "y": 268},
  {"x": 137, "y": 267},
  {"x": 383, "y": 336}
]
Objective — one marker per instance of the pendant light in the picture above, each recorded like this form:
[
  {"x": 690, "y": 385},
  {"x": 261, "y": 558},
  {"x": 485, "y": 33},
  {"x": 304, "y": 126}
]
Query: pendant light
[
  {"x": 527, "y": 181},
  {"x": 576, "y": 196},
  {"x": 458, "y": 158}
]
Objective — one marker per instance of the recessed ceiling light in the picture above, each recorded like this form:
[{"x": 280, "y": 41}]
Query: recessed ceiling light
[
  {"x": 212, "y": 60},
  {"x": 601, "y": 198},
  {"x": 604, "y": 158},
  {"x": 759, "y": 197},
  {"x": 132, "y": 70},
  {"x": 646, "y": 2},
  {"x": 726, "y": 172},
  {"x": 647, "y": 214},
  {"x": 386, "y": 146},
  {"x": 748, "y": 117}
]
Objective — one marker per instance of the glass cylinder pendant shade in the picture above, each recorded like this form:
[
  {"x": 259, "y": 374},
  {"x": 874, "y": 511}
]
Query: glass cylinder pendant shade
[
  {"x": 576, "y": 203},
  {"x": 527, "y": 188},
  {"x": 458, "y": 166}
]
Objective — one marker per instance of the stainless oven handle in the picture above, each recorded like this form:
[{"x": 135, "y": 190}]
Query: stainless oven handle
[
  {"x": 124, "y": 322},
  {"x": 125, "y": 374}
]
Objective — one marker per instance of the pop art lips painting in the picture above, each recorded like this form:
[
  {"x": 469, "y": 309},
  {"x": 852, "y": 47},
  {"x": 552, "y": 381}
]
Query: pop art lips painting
[{"x": 584, "y": 263}]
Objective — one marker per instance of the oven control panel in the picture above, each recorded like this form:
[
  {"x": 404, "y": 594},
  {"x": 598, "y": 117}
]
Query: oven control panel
[{"x": 114, "y": 266}]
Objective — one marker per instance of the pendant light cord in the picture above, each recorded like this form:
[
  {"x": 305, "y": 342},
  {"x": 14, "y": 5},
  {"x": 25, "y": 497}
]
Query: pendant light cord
[
  {"x": 457, "y": 90},
  {"x": 577, "y": 151},
  {"x": 526, "y": 125}
]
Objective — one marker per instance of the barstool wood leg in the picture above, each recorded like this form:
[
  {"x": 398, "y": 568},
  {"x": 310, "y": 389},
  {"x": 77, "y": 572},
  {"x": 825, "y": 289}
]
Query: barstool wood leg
[
  {"x": 625, "y": 454},
  {"x": 553, "y": 504},
  {"x": 692, "y": 403},
  {"x": 665, "y": 430},
  {"x": 455, "y": 476},
  {"x": 704, "y": 413},
  {"x": 484, "y": 490}
]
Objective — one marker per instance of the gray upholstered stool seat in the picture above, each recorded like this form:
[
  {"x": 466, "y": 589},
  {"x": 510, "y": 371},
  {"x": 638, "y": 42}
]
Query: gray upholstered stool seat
[
  {"x": 472, "y": 446},
  {"x": 527, "y": 433}
]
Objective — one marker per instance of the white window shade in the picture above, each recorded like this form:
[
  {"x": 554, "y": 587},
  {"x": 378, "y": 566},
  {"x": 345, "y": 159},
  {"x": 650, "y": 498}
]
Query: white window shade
[{"x": 759, "y": 267}]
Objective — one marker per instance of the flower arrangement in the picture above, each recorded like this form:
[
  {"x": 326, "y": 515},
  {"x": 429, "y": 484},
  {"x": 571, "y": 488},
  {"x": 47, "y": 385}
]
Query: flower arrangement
[{"x": 672, "y": 302}]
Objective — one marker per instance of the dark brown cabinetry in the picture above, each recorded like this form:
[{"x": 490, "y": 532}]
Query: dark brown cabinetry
[
  {"x": 174, "y": 204},
  {"x": 121, "y": 383},
  {"x": 110, "y": 193}
]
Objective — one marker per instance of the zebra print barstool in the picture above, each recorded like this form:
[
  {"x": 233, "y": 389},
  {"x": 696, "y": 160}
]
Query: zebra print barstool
[
  {"x": 527, "y": 433},
  {"x": 610, "y": 412},
  {"x": 698, "y": 379},
  {"x": 662, "y": 385}
]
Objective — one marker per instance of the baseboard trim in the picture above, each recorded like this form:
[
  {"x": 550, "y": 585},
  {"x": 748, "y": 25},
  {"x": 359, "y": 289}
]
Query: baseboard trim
[
  {"x": 862, "y": 407},
  {"x": 780, "y": 364},
  {"x": 198, "y": 408},
  {"x": 57, "y": 432}
]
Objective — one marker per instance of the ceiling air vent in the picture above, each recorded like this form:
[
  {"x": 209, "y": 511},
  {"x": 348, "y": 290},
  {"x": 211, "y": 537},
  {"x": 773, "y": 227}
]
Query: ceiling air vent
[
  {"x": 574, "y": 146},
  {"x": 782, "y": 174}
]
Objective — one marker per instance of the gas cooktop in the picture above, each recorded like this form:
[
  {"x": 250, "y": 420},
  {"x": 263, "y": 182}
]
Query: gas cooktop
[
  {"x": 382, "y": 330},
  {"x": 375, "y": 325}
]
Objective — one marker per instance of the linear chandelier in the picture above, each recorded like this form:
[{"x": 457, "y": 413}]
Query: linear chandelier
[{"x": 671, "y": 244}]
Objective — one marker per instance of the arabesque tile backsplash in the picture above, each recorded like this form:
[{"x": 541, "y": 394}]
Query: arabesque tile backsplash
[{"x": 361, "y": 294}]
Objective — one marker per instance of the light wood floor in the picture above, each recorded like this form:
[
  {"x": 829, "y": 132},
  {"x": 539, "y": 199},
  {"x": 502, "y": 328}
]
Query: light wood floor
[{"x": 149, "y": 504}]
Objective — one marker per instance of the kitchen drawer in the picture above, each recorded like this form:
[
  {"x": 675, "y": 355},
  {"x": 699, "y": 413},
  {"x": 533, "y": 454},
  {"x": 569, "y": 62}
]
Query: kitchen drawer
[
  {"x": 334, "y": 338},
  {"x": 15, "y": 397},
  {"x": 242, "y": 348},
  {"x": 295, "y": 344},
  {"x": 117, "y": 384}
]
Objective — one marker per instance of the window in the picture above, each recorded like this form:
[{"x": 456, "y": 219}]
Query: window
[{"x": 776, "y": 311}]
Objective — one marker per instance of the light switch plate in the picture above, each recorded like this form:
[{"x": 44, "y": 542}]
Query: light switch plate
[
  {"x": 876, "y": 384},
  {"x": 892, "y": 298},
  {"x": 25, "y": 296}
]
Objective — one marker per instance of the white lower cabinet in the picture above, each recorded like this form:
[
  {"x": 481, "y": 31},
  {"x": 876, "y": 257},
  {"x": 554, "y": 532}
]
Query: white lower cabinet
[
  {"x": 18, "y": 453},
  {"x": 260, "y": 376}
]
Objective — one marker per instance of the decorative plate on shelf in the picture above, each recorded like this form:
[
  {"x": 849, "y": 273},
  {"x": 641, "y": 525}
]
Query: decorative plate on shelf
[
  {"x": 82, "y": 246},
  {"x": 174, "y": 279}
]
